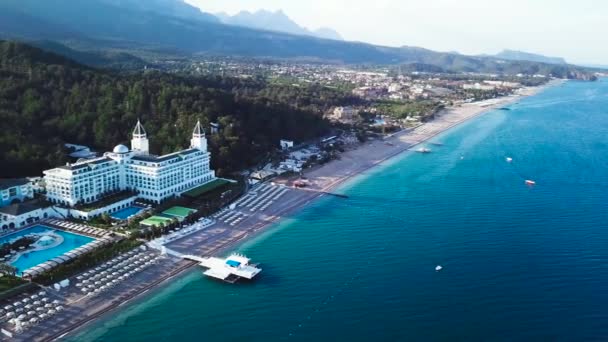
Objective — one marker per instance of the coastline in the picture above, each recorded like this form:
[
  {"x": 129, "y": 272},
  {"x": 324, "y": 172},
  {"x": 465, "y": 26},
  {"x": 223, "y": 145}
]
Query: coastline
[{"x": 323, "y": 179}]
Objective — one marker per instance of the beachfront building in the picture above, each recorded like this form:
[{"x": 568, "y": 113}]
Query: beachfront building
[
  {"x": 343, "y": 114},
  {"x": 18, "y": 207},
  {"x": 286, "y": 144},
  {"x": 15, "y": 190},
  {"x": 22, "y": 214},
  {"x": 150, "y": 177}
]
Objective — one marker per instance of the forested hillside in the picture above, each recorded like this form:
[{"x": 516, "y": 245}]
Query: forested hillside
[{"x": 47, "y": 100}]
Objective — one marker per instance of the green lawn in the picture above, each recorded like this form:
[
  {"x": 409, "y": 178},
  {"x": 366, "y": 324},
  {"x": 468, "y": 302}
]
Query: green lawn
[
  {"x": 198, "y": 191},
  {"x": 155, "y": 221},
  {"x": 180, "y": 212}
]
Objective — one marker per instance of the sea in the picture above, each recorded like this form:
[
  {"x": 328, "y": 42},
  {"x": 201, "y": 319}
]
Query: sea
[{"x": 519, "y": 262}]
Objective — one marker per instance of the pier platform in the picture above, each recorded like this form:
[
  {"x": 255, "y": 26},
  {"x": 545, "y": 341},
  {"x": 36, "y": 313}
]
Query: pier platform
[{"x": 230, "y": 269}]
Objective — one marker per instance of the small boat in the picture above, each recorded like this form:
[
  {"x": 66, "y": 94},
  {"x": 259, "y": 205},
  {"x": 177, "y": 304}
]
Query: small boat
[
  {"x": 530, "y": 182},
  {"x": 438, "y": 268},
  {"x": 509, "y": 159},
  {"x": 423, "y": 150}
]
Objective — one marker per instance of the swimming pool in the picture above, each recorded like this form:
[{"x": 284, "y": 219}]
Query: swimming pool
[
  {"x": 126, "y": 213},
  {"x": 70, "y": 241}
]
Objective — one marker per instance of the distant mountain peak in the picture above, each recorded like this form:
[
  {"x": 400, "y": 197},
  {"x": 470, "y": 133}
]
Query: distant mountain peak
[{"x": 277, "y": 21}]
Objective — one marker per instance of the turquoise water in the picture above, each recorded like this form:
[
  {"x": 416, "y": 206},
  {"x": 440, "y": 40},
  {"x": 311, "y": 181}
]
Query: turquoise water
[
  {"x": 31, "y": 259},
  {"x": 126, "y": 213},
  {"x": 520, "y": 263}
]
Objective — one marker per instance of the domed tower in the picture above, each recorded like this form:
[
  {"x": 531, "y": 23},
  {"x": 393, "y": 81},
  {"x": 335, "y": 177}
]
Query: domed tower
[
  {"x": 198, "y": 141},
  {"x": 139, "y": 143}
]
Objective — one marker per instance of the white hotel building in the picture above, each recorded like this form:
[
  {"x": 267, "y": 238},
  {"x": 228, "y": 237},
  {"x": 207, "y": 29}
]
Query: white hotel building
[{"x": 153, "y": 178}]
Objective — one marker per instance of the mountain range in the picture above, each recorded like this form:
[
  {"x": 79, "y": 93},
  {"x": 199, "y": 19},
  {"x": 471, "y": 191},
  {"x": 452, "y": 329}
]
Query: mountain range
[
  {"x": 275, "y": 21},
  {"x": 175, "y": 28},
  {"x": 514, "y": 55}
]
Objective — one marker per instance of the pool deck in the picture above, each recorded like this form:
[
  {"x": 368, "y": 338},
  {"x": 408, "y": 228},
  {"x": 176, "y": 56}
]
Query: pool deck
[{"x": 118, "y": 215}]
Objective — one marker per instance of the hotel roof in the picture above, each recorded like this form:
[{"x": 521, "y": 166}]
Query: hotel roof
[
  {"x": 85, "y": 164},
  {"x": 160, "y": 159},
  {"x": 12, "y": 182},
  {"x": 20, "y": 208}
]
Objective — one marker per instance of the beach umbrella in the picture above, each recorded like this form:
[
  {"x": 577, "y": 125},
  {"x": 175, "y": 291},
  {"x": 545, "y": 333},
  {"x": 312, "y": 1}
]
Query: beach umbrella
[
  {"x": 8, "y": 307},
  {"x": 59, "y": 308},
  {"x": 86, "y": 281},
  {"x": 25, "y": 300},
  {"x": 18, "y": 304},
  {"x": 52, "y": 312},
  {"x": 31, "y": 313},
  {"x": 37, "y": 302},
  {"x": 40, "y": 309},
  {"x": 45, "y": 299},
  {"x": 56, "y": 301},
  {"x": 78, "y": 284},
  {"x": 49, "y": 305},
  {"x": 42, "y": 293},
  {"x": 21, "y": 317},
  {"x": 34, "y": 296},
  {"x": 97, "y": 283},
  {"x": 10, "y": 314},
  {"x": 80, "y": 277},
  {"x": 12, "y": 320},
  {"x": 29, "y": 306},
  {"x": 18, "y": 310},
  {"x": 33, "y": 320},
  {"x": 43, "y": 316}
]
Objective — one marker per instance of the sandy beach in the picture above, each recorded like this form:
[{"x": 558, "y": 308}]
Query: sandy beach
[{"x": 224, "y": 235}]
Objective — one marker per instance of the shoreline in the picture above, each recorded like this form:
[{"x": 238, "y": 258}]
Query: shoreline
[{"x": 327, "y": 178}]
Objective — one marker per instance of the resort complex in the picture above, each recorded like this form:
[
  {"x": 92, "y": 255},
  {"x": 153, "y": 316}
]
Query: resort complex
[
  {"x": 134, "y": 171},
  {"x": 95, "y": 209}
]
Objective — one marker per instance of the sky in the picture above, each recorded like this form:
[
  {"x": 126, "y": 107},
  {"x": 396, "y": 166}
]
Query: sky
[{"x": 573, "y": 29}]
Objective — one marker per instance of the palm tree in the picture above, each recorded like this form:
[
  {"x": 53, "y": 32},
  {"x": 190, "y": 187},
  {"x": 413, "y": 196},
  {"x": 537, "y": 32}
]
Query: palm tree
[{"x": 8, "y": 269}]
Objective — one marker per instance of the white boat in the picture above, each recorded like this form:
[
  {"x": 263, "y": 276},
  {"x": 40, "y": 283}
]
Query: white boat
[
  {"x": 509, "y": 159},
  {"x": 438, "y": 268},
  {"x": 423, "y": 150},
  {"x": 530, "y": 182}
]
